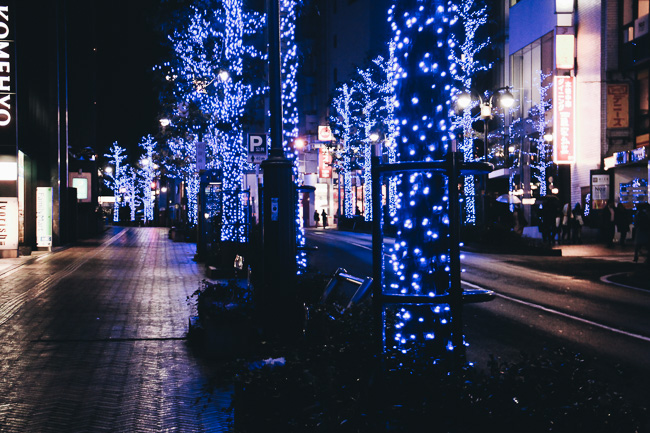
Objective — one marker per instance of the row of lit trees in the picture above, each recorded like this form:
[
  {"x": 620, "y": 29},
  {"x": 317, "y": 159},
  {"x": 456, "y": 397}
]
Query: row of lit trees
[
  {"x": 133, "y": 186},
  {"x": 412, "y": 98},
  {"x": 214, "y": 89},
  {"x": 363, "y": 113},
  {"x": 366, "y": 104}
]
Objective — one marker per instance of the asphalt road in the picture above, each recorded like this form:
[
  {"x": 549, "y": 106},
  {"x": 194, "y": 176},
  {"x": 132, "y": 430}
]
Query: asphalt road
[{"x": 542, "y": 303}]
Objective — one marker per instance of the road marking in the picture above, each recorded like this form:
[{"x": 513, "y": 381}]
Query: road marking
[
  {"x": 565, "y": 315},
  {"x": 360, "y": 246},
  {"x": 605, "y": 279}
]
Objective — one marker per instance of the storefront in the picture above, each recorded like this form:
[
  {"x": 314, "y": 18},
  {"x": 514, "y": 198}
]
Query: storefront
[{"x": 630, "y": 176}]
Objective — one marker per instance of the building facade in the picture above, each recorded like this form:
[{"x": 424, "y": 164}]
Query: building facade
[{"x": 596, "y": 54}]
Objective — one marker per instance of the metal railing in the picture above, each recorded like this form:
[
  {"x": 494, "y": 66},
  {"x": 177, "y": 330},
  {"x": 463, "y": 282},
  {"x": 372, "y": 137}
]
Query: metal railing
[{"x": 455, "y": 297}]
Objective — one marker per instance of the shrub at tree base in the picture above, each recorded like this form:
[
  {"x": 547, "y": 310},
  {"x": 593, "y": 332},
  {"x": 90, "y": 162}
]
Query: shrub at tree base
[{"x": 330, "y": 381}]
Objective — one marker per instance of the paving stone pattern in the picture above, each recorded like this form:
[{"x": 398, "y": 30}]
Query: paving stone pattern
[{"x": 92, "y": 339}]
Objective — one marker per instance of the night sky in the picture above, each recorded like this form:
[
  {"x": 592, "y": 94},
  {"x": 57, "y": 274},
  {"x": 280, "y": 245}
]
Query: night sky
[{"x": 113, "y": 48}]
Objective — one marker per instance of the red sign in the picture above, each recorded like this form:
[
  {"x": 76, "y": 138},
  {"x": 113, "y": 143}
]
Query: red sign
[
  {"x": 324, "y": 163},
  {"x": 325, "y": 133},
  {"x": 563, "y": 120}
]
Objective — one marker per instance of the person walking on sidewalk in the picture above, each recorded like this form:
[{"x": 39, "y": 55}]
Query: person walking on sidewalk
[
  {"x": 607, "y": 224},
  {"x": 578, "y": 222},
  {"x": 567, "y": 222},
  {"x": 642, "y": 230},
  {"x": 622, "y": 220},
  {"x": 316, "y": 218},
  {"x": 324, "y": 216}
]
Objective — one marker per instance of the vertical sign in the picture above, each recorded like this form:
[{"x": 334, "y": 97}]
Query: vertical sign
[
  {"x": 21, "y": 197},
  {"x": 257, "y": 148},
  {"x": 7, "y": 77},
  {"x": 618, "y": 106},
  {"x": 564, "y": 49},
  {"x": 43, "y": 216},
  {"x": 599, "y": 191},
  {"x": 324, "y": 163},
  {"x": 8, "y": 223},
  {"x": 563, "y": 120}
]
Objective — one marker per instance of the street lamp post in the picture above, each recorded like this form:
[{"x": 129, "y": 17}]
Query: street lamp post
[
  {"x": 277, "y": 297},
  {"x": 506, "y": 100}
]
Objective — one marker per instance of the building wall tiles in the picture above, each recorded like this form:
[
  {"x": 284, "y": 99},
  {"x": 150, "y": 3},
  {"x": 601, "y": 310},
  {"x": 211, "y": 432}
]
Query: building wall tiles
[{"x": 589, "y": 96}]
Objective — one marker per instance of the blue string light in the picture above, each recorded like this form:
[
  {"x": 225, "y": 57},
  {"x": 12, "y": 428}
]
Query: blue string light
[{"x": 117, "y": 180}]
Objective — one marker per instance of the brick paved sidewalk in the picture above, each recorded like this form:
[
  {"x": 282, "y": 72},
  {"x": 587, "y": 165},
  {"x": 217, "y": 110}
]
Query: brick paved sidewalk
[{"x": 92, "y": 338}]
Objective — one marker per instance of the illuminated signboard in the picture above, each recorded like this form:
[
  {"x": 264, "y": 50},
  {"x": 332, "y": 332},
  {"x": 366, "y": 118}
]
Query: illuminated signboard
[
  {"x": 43, "y": 216},
  {"x": 7, "y": 76},
  {"x": 325, "y": 133},
  {"x": 564, "y": 51},
  {"x": 563, "y": 120},
  {"x": 8, "y": 223},
  {"x": 599, "y": 190},
  {"x": 324, "y": 161},
  {"x": 618, "y": 106},
  {"x": 82, "y": 182}
]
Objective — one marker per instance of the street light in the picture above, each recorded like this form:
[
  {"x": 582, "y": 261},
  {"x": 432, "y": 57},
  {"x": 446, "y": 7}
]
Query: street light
[
  {"x": 506, "y": 100},
  {"x": 223, "y": 76}
]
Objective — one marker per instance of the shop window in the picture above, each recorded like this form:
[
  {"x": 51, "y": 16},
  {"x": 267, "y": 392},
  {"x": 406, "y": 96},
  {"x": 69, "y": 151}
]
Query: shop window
[
  {"x": 628, "y": 11},
  {"x": 643, "y": 8},
  {"x": 633, "y": 193},
  {"x": 526, "y": 65}
]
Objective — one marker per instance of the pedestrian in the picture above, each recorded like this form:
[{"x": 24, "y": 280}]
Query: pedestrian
[
  {"x": 578, "y": 222},
  {"x": 567, "y": 216},
  {"x": 607, "y": 224},
  {"x": 324, "y": 216},
  {"x": 316, "y": 218},
  {"x": 519, "y": 220},
  {"x": 549, "y": 216},
  {"x": 622, "y": 221},
  {"x": 642, "y": 230}
]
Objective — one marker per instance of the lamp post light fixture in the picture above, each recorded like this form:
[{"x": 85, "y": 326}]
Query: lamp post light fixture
[
  {"x": 299, "y": 144},
  {"x": 505, "y": 99},
  {"x": 486, "y": 104},
  {"x": 164, "y": 122},
  {"x": 223, "y": 76}
]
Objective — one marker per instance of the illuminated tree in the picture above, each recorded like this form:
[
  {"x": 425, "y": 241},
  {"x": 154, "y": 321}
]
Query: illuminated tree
[
  {"x": 540, "y": 122},
  {"x": 471, "y": 16},
  {"x": 217, "y": 68},
  {"x": 148, "y": 173},
  {"x": 369, "y": 114},
  {"x": 289, "y": 70},
  {"x": 341, "y": 121},
  {"x": 131, "y": 185},
  {"x": 290, "y": 116},
  {"x": 181, "y": 164},
  {"x": 117, "y": 178},
  {"x": 419, "y": 259},
  {"x": 388, "y": 103}
]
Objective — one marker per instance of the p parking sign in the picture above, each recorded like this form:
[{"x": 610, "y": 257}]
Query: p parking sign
[{"x": 257, "y": 148}]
